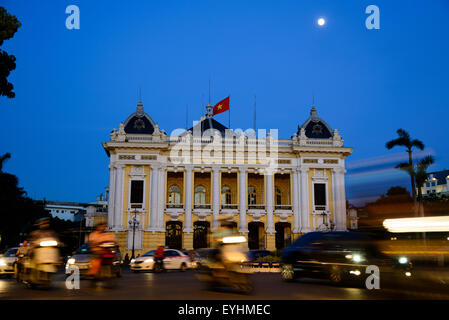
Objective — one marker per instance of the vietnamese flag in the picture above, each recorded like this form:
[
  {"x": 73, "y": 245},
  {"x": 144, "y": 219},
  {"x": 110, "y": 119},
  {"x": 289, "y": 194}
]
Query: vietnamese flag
[{"x": 222, "y": 106}]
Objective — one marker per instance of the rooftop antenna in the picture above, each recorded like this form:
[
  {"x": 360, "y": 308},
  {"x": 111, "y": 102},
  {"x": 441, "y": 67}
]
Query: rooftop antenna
[
  {"x": 229, "y": 114},
  {"x": 209, "y": 90},
  {"x": 255, "y": 132},
  {"x": 187, "y": 117},
  {"x": 140, "y": 94},
  {"x": 204, "y": 108},
  {"x": 313, "y": 98}
]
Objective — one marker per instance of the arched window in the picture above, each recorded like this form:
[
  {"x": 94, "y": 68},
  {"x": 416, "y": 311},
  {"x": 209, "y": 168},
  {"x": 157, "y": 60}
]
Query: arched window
[
  {"x": 174, "y": 195},
  {"x": 278, "y": 194},
  {"x": 225, "y": 195},
  {"x": 200, "y": 195},
  {"x": 251, "y": 195}
]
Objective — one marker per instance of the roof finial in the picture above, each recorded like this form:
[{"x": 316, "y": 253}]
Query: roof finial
[
  {"x": 139, "y": 110},
  {"x": 313, "y": 112},
  {"x": 209, "y": 107},
  {"x": 140, "y": 95}
]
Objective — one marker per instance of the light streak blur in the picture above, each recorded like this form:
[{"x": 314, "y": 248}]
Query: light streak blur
[{"x": 423, "y": 224}]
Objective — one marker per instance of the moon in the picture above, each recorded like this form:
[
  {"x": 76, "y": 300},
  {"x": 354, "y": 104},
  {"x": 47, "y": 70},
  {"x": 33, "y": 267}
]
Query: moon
[{"x": 321, "y": 22}]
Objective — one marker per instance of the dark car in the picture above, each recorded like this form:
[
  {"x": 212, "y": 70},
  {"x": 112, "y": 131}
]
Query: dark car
[
  {"x": 340, "y": 257},
  {"x": 203, "y": 256},
  {"x": 81, "y": 258},
  {"x": 254, "y": 255}
]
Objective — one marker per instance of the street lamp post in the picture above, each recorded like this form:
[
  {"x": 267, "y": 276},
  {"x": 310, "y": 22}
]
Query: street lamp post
[{"x": 134, "y": 223}]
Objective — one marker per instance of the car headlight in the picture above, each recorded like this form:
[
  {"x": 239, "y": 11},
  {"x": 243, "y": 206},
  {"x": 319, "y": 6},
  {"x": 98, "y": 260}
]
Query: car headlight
[
  {"x": 403, "y": 260},
  {"x": 48, "y": 243},
  {"x": 71, "y": 261},
  {"x": 133, "y": 260},
  {"x": 356, "y": 272},
  {"x": 149, "y": 260},
  {"x": 2, "y": 262},
  {"x": 234, "y": 239},
  {"x": 357, "y": 258}
]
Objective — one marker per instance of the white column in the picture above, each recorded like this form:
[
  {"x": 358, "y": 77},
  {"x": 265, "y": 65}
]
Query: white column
[
  {"x": 188, "y": 200},
  {"x": 343, "y": 202},
  {"x": 340, "y": 202},
  {"x": 243, "y": 200},
  {"x": 335, "y": 197},
  {"x": 153, "y": 212},
  {"x": 269, "y": 200},
  {"x": 304, "y": 191},
  {"x": 215, "y": 196},
  {"x": 161, "y": 199},
  {"x": 118, "y": 206},
  {"x": 111, "y": 201},
  {"x": 295, "y": 190}
]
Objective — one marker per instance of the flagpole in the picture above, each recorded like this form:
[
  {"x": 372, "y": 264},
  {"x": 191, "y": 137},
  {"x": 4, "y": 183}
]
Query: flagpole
[
  {"x": 255, "y": 115},
  {"x": 229, "y": 115},
  {"x": 204, "y": 109}
]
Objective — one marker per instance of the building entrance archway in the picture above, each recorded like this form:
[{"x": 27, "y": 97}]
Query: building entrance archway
[
  {"x": 201, "y": 234},
  {"x": 256, "y": 235},
  {"x": 283, "y": 235},
  {"x": 173, "y": 234}
]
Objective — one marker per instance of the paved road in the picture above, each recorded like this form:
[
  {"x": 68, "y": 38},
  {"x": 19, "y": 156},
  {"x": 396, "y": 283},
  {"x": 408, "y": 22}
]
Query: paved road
[{"x": 184, "y": 285}]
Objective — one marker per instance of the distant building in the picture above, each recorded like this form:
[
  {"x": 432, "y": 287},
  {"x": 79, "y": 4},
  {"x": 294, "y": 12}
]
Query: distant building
[
  {"x": 97, "y": 211},
  {"x": 352, "y": 218},
  {"x": 92, "y": 212},
  {"x": 71, "y": 211},
  {"x": 436, "y": 183}
]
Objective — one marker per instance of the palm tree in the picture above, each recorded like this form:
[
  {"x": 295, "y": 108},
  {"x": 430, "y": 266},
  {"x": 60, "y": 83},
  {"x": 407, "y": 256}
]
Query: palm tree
[
  {"x": 405, "y": 141},
  {"x": 419, "y": 171},
  {"x": 421, "y": 177}
]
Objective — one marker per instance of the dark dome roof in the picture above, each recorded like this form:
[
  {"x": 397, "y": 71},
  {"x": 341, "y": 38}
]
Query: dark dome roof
[
  {"x": 139, "y": 122},
  {"x": 139, "y": 125},
  {"x": 315, "y": 127},
  {"x": 208, "y": 124}
]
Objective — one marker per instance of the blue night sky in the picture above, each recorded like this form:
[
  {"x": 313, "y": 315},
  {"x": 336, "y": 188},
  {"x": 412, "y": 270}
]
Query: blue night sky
[{"x": 74, "y": 86}]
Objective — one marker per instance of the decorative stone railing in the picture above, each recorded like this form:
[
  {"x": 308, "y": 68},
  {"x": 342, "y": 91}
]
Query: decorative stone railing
[
  {"x": 175, "y": 205},
  {"x": 229, "y": 206}
]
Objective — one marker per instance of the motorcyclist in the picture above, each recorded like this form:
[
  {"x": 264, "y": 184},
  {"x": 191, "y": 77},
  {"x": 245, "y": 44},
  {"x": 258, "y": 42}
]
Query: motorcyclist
[
  {"x": 20, "y": 254},
  {"x": 226, "y": 228},
  {"x": 43, "y": 231},
  {"x": 159, "y": 256},
  {"x": 225, "y": 266},
  {"x": 32, "y": 261},
  {"x": 96, "y": 239}
]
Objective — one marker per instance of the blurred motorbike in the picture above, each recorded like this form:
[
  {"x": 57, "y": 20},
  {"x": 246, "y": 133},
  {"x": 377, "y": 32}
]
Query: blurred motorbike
[
  {"x": 159, "y": 266},
  {"x": 107, "y": 272},
  {"x": 224, "y": 266},
  {"x": 41, "y": 264}
]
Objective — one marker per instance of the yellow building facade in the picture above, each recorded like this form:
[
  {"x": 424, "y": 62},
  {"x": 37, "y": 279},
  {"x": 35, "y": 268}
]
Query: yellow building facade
[{"x": 172, "y": 189}]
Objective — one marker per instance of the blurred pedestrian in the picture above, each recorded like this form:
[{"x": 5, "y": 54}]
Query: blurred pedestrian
[{"x": 126, "y": 261}]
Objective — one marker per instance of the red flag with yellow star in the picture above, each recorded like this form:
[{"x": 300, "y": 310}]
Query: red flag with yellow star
[{"x": 222, "y": 106}]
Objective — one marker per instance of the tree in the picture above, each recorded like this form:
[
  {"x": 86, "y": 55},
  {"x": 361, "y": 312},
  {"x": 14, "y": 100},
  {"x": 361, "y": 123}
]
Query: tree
[
  {"x": 398, "y": 191},
  {"x": 17, "y": 211},
  {"x": 421, "y": 177},
  {"x": 8, "y": 27},
  {"x": 405, "y": 141}
]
